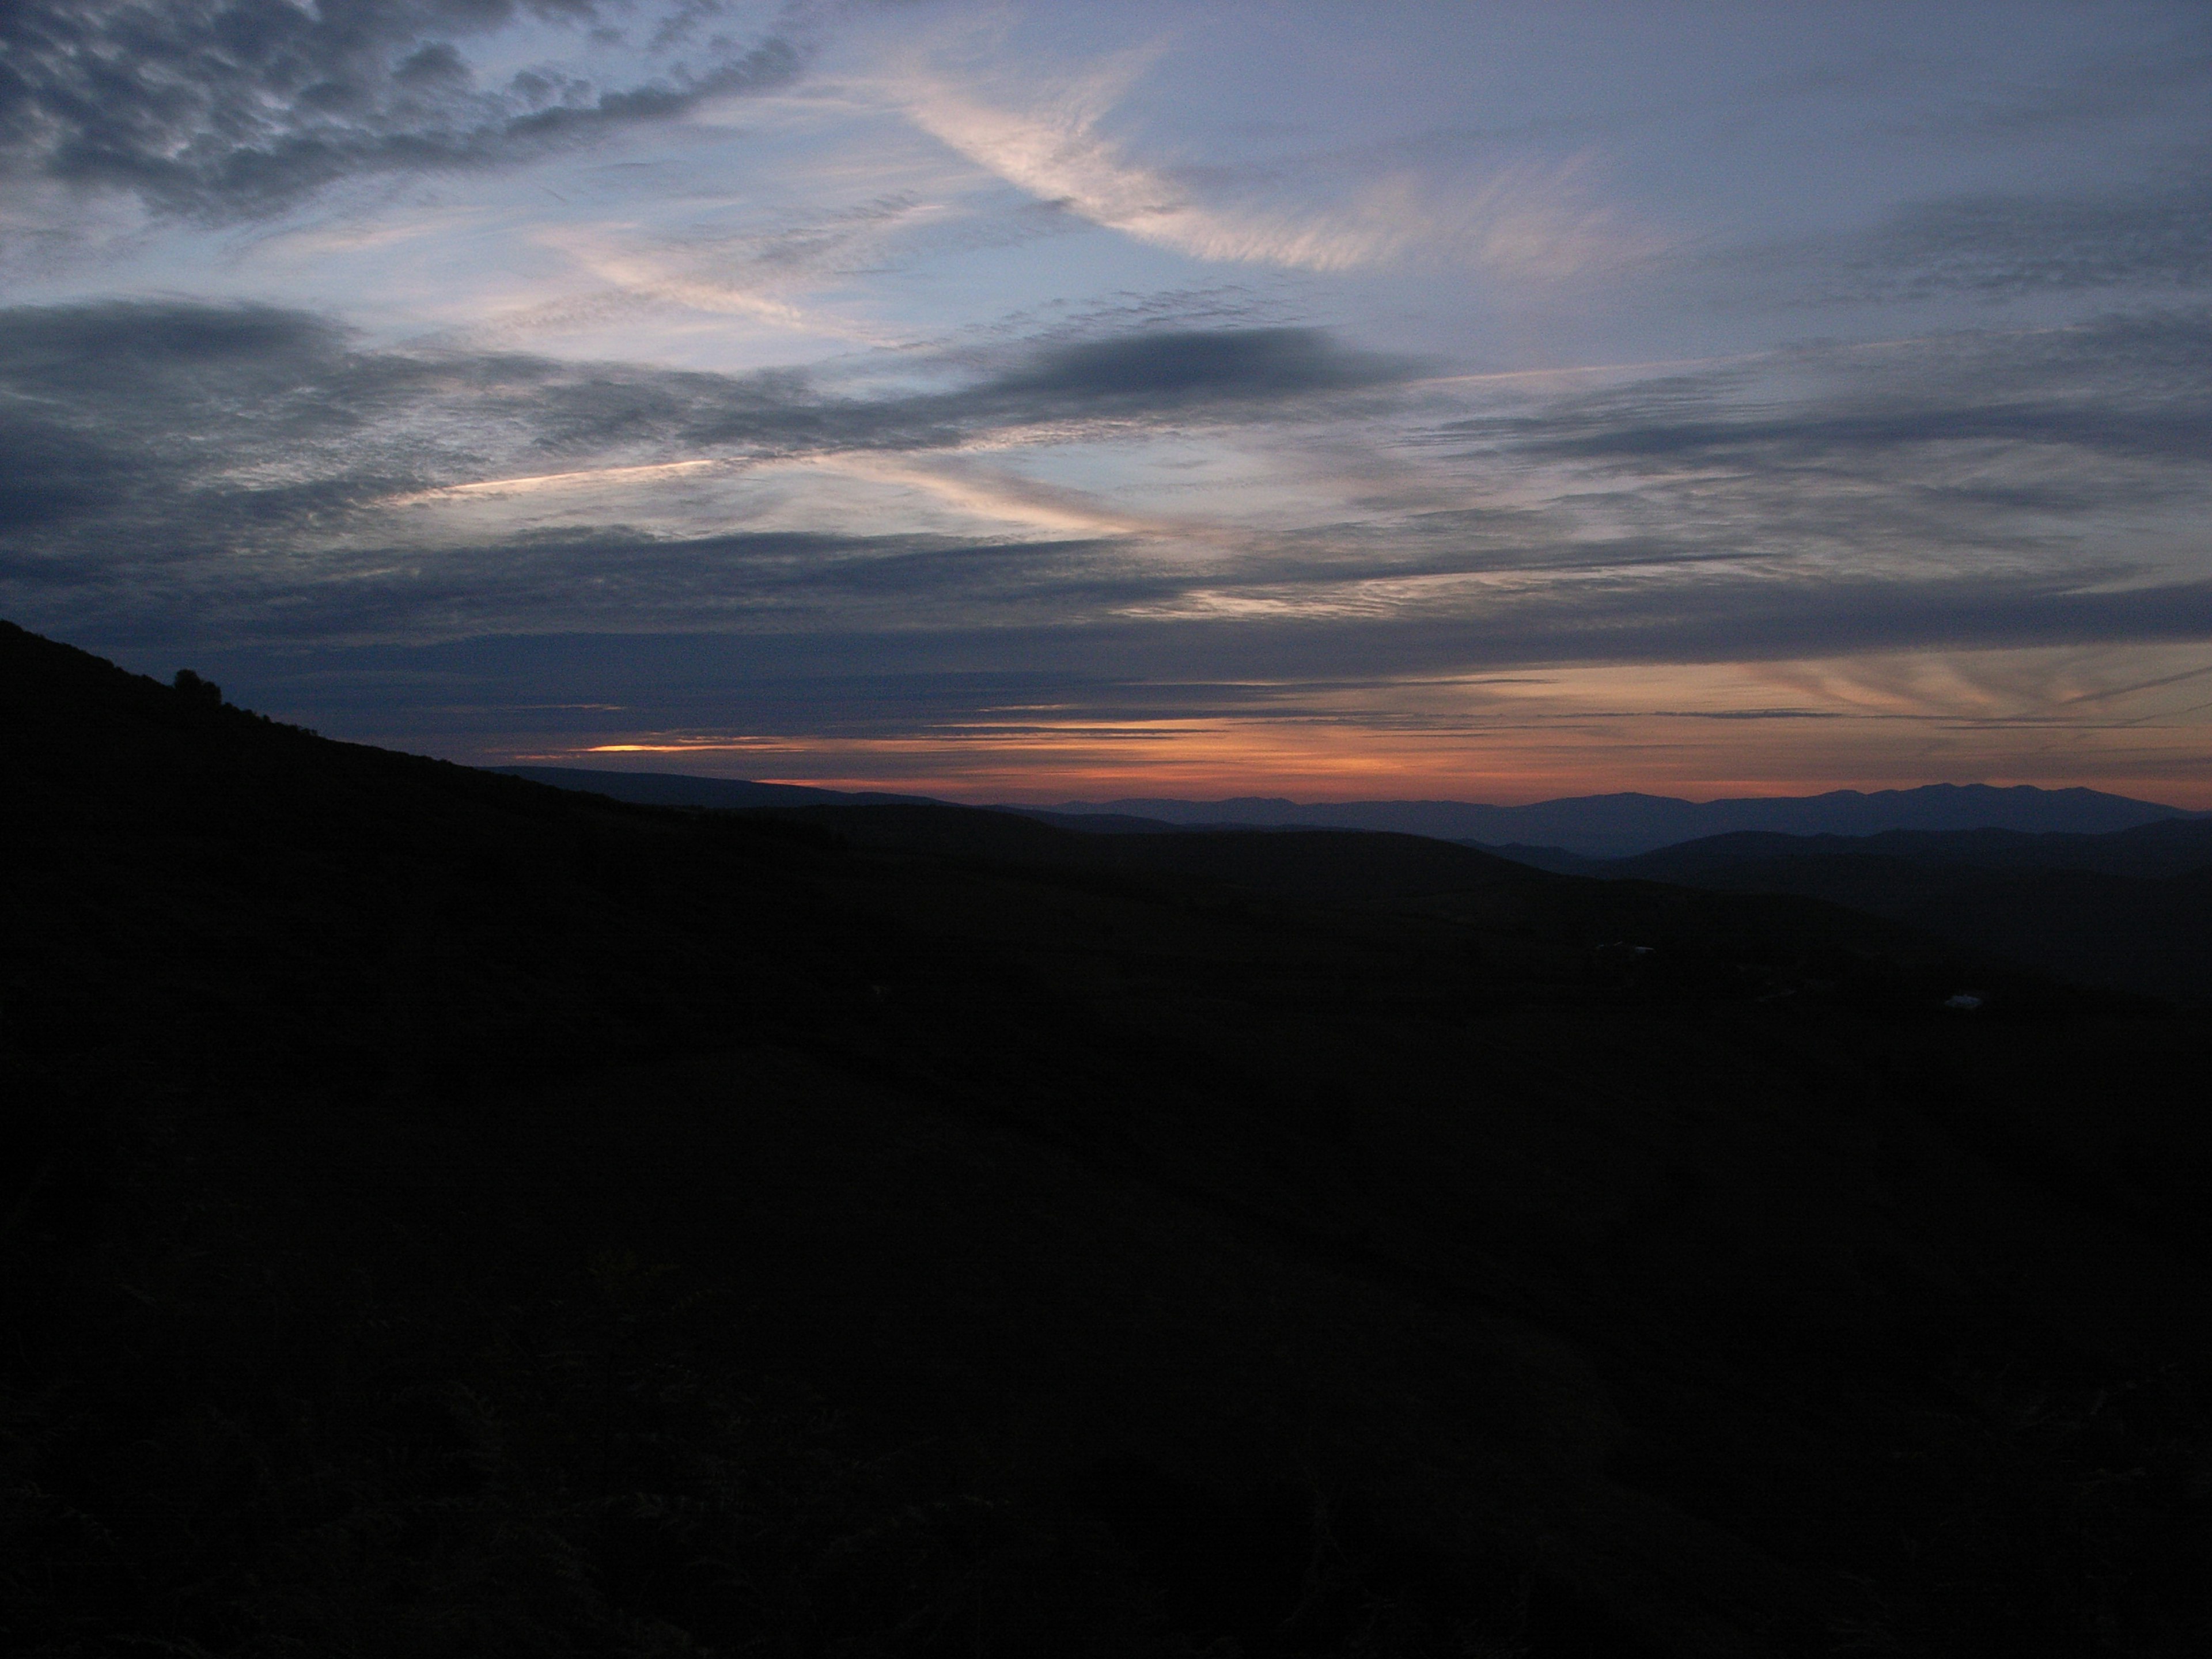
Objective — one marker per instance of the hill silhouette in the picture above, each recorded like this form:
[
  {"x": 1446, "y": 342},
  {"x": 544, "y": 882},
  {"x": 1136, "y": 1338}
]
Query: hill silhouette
[
  {"x": 1564, "y": 835},
  {"x": 451, "y": 1215},
  {"x": 1625, "y": 825},
  {"x": 2169, "y": 847},
  {"x": 2132, "y": 909}
]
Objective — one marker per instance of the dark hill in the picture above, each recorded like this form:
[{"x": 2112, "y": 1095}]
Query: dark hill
[
  {"x": 2170, "y": 846},
  {"x": 445, "y": 1215},
  {"x": 1515, "y": 918},
  {"x": 2131, "y": 909},
  {"x": 1340, "y": 867}
]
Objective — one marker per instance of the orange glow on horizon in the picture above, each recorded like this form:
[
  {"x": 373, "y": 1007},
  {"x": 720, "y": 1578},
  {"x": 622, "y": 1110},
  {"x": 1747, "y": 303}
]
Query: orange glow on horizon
[
  {"x": 2051, "y": 719},
  {"x": 1304, "y": 764}
]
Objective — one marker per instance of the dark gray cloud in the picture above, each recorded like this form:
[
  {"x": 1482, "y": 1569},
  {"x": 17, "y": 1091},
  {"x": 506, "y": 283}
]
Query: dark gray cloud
[
  {"x": 114, "y": 414},
  {"x": 199, "y": 424},
  {"x": 2134, "y": 387},
  {"x": 1189, "y": 366},
  {"x": 149, "y": 448},
  {"x": 1816, "y": 435},
  {"x": 2003, "y": 245},
  {"x": 962, "y": 683},
  {"x": 636, "y": 583},
  {"x": 233, "y": 108},
  {"x": 181, "y": 473}
]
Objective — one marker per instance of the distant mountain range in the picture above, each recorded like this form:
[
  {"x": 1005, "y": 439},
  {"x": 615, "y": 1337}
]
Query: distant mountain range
[
  {"x": 1583, "y": 827},
  {"x": 1623, "y": 826}
]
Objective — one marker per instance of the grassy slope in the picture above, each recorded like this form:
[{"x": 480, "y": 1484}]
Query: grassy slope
[{"x": 458, "y": 1217}]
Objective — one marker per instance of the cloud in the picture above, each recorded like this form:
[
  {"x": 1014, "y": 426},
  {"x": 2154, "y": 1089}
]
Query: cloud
[
  {"x": 1529, "y": 217},
  {"x": 2144, "y": 79},
  {"x": 229, "y": 109},
  {"x": 1055, "y": 153},
  {"x": 764, "y": 275},
  {"x": 241, "y": 473},
  {"x": 1021, "y": 671},
  {"x": 2001, "y": 245},
  {"x": 118, "y": 413},
  {"x": 2128, "y": 387},
  {"x": 1171, "y": 368},
  {"x": 161, "y": 456}
]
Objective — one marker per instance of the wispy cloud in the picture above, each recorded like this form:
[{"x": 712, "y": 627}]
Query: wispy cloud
[
  {"x": 152, "y": 448},
  {"x": 2004, "y": 244},
  {"x": 250, "y": 470},
  {"x": 1529, "y": 217}
]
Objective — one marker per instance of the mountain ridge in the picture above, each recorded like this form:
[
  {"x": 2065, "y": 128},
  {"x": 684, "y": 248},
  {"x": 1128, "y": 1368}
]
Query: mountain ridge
[{"x": 1624, "y": 823}]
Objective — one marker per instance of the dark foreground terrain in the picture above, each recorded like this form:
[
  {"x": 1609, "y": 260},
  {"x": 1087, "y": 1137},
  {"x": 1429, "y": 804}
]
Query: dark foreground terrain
[
  {"x": 2130, "y": 909},
  {"x": 445, "y": 1215}
]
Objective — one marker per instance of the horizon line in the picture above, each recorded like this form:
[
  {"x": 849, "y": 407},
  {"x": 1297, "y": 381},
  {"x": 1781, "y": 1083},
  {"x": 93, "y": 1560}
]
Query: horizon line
[{"x": 973, "y": 798}]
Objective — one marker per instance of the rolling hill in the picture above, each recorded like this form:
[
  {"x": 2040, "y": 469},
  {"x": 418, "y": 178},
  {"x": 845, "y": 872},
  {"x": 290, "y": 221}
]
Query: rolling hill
[
  {"x": 2132, "y": 909},
  {"x": 451, "y": 1215}
]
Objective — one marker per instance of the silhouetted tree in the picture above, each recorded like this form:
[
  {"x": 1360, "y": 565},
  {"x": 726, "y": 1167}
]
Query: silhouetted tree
[{"x": 189, "y": 684}]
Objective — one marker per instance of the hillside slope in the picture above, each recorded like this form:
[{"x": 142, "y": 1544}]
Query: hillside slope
[
  {"x": 2132, "y": 908},
  {"x": 453, "y": 1216}
]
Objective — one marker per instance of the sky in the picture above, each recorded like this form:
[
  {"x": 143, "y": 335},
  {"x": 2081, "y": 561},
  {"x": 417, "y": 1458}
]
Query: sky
[{"x": 1036, "y": 403}]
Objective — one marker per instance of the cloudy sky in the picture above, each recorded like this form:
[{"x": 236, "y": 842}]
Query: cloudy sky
[{"x": 1034, "y": 402}]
